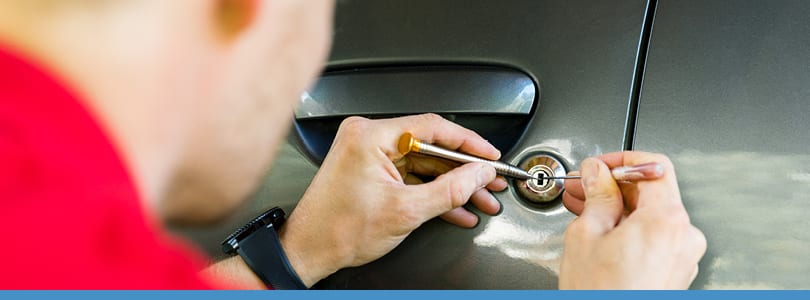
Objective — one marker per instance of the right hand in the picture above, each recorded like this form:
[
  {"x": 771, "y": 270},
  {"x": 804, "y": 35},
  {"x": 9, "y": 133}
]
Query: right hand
[
  {"x": 366, "y": 198},
  {"x": 628, "y": 235}
]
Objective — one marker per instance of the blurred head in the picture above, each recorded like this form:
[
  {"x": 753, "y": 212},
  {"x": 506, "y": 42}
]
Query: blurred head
[{"x": 196, "y": 94}]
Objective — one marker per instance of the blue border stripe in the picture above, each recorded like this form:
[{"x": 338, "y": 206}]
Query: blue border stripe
[{"x": 403, "y": 295}]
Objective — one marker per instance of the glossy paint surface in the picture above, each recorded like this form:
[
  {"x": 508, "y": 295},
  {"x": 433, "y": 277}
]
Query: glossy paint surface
[
  {"x": 726, "y": 95},
  {"x": 582, "y": 55}
]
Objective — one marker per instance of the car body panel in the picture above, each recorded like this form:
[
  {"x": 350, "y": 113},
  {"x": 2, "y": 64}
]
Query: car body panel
[
  {"x": 725, "y": 95},
  {"x": 581, "y": 53}
]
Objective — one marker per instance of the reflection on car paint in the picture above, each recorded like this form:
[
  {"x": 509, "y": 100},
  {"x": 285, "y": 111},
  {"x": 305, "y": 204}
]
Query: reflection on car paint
[
  {"x": 511, "y": 236},
  {"x": 747, "y": 204}
]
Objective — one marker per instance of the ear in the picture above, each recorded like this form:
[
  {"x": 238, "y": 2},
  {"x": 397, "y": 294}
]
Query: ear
[{"x": 231, "y": 17}]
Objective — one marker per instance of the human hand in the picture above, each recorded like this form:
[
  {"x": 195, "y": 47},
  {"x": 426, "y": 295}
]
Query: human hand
[
  {"x": 365, "y": 198},
  {"x": 628, "y": 235}
]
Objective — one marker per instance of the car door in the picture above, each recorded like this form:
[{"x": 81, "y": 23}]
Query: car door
[
  {"x": 581, "y": 61},
  {"x": 720, "y": 86},
  {"x": 582, "y": 58},
  {"x": 725, "y": 95}
]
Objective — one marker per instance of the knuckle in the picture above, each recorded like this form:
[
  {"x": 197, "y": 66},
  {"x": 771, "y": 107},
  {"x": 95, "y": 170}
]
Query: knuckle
[
  {"x": 432, "y": 117},
  {"x": 578, "y": 230},
  {"x": 354, "y": 124},
  {"x": 699, "y": 239},
  {"x": 351, "y": 129},
  {"x": 690, "y": 241}
]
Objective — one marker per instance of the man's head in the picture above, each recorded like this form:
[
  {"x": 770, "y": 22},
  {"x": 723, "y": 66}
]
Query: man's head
[{"x": 196, "y": 94}]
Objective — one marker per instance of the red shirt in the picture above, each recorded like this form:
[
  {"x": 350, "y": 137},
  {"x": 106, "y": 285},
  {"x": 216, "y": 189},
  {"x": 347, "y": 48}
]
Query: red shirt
[{"x": 71, "y": 216}]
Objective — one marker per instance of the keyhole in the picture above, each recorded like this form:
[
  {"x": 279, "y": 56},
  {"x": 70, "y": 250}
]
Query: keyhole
[
  {"x": 541, "y": 188},
  {"x": 541, "y": 178}
]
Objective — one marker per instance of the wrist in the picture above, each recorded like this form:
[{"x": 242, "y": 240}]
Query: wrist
[
  {"x": 312, "y": 261},
  {"x": 259, "y": 244},
  {"x": 232, "y": 273}
]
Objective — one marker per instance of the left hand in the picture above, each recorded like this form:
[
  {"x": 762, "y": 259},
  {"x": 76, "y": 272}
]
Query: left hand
[
  {"x": 365, "y": 198},
  {"x": 628, "y": 235}
]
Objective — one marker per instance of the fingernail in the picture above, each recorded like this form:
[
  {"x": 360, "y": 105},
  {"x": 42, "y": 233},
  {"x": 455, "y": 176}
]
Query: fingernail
[{"x": 590, "y": 172}]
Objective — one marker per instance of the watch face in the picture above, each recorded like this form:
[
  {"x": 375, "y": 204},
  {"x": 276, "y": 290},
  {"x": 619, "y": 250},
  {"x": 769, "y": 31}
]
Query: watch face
[{"x": 273, "y": 217}]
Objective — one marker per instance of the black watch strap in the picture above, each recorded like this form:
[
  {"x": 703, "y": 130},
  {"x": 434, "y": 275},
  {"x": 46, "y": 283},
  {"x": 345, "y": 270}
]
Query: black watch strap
[{"x": 263, "y": 253}]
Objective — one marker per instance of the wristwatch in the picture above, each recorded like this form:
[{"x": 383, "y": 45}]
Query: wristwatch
[{"x": 258, "y": 244}]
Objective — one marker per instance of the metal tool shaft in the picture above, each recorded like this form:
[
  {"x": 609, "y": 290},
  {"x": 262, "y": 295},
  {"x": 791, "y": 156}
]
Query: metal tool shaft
[
  {"x": 407, "y": 143},
  {"x": 562, "y": 177}
]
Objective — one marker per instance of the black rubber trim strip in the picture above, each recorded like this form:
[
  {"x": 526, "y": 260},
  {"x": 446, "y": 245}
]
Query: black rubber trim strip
[{"x": 638, "y": 74}]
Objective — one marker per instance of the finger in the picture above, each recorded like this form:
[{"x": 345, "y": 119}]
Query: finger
[
  {"x": 572, "y": 203},
  {"x": 497, "y": 185},
  {"x": 412, "y": 180},
  {"x": 574, "y": 196},
  {"x": 661, "y": 193},
  {"x": 485, "y": 202},
  {"x": 450, "y": 190},
  {"x": 432, "y": 166},
  {"x": 603, "y": 199},
  {"x": 629, "y": 158},
  {"x": 433, "y": 129},
  {"x": 574, "y": 186},
  {"x": 425, "y": 165},
  {"x": 629, "y": 195},
  {"x": 461, "y": 217}
]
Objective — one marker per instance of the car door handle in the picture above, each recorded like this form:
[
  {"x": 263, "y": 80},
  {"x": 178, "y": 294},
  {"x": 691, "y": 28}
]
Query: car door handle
[
  {"x": 495, "y": 101},
  {"x": 477, "y": 90}
]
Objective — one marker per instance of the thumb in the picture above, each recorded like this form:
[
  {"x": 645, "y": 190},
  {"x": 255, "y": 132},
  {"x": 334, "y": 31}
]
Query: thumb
[
  {"x": 451, "y": 189},
  {"x": 603, "y": 198}
]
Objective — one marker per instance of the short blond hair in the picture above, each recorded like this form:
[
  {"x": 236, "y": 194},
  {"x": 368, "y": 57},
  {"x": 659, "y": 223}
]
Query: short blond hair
[{"x": 17, "y": 17}]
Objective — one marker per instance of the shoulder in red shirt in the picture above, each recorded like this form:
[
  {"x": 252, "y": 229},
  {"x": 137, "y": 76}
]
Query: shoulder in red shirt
[{"x": 71, "y": 216}]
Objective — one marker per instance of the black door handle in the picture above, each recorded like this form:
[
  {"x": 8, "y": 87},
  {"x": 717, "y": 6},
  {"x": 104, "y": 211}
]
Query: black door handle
[{"x": 496, "y": 102}]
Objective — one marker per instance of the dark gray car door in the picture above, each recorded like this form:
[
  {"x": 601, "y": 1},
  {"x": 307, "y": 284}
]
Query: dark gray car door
[
  {"x": 582, "y": 55},
  {"x": 726, "y": 95}
]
